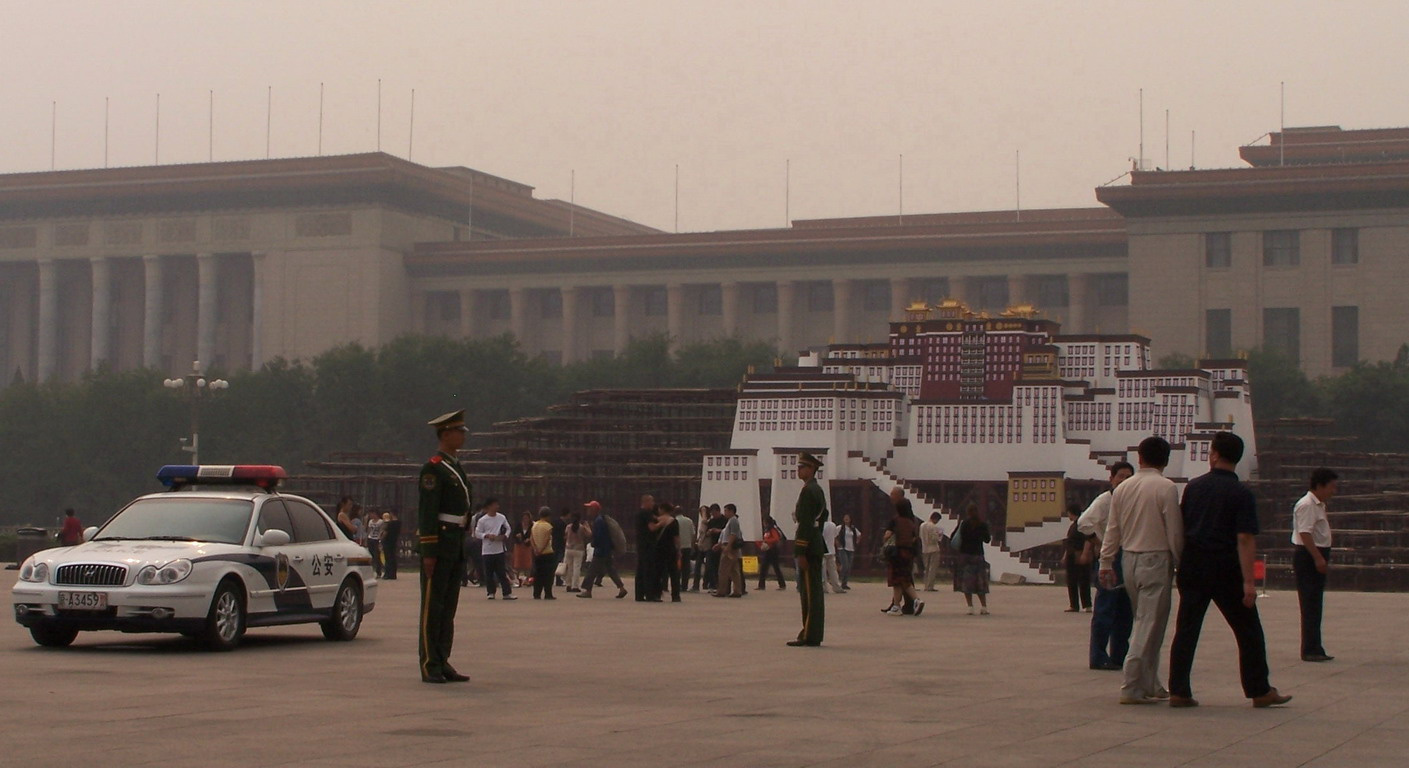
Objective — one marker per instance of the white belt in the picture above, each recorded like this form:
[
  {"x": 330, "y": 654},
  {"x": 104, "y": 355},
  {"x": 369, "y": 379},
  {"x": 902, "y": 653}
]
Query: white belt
[{"x": 453, "y": 520}]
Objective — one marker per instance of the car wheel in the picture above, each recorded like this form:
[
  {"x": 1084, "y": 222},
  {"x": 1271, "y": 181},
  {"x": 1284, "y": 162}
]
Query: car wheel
[
  {"x": 347, "y": 613},
  {"x": 225, "y": 624},
  {"x": 51, "y": 636}
]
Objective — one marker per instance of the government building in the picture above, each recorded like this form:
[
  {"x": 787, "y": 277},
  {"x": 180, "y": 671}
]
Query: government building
[{"x": 238, "y": 263}]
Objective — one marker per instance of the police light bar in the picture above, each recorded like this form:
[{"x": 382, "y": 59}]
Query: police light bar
[{"x": 262, "y": 475}]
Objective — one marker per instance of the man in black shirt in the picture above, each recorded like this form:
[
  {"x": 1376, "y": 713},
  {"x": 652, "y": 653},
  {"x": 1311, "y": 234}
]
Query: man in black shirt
[
  {"x": 647, "y": 578},
  {"x": 1220, "y": 545}
]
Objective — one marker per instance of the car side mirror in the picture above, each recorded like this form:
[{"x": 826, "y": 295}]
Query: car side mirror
[
  {"x": 89, "y": 532},
  {"x": 272, "y": 538}
]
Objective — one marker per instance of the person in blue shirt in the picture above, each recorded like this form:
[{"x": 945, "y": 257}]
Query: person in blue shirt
[{"x": 603, "y": 550}]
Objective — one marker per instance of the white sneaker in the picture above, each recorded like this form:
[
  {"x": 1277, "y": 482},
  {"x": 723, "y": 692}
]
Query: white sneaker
[
  {"x": 984, "y": 611},
  {"x": 894, "y": 610},
  {"x": 971, "y": 610}
]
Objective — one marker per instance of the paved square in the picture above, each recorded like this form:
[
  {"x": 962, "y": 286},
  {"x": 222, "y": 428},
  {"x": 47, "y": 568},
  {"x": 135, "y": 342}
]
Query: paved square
[{"x": 706, "y": 682}]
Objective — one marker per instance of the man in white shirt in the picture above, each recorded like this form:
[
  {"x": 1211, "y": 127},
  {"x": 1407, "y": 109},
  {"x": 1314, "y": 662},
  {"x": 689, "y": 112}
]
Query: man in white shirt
[
  {"x": 931, "y": 547},
  {"x": 829, "y": 557},
  {"x": 493, "y": 531},
  {"x": 1311, "y": 535},
  {"x": 1111, "y": 617},
  {"x": 1146, "y": 526}
]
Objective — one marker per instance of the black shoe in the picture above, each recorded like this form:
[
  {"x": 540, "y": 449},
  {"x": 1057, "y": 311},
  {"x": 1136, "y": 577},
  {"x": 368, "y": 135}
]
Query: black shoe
[
  {"x": 621, "y": 594},
  {"x": 455, "y": 677},
  {"x": 436, "y": 679},
  {"x": 510, "y": 597},
  {"x": 1316, "y": 657},
  {"x": 802, "y": 643},
  {"x": 1109, "y": 666},
  {"x": 585, "y": 595},
  {"x": 550, "y": 597}
]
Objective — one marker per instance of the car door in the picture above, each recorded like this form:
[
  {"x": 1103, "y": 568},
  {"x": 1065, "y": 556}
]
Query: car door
[
  {"x": 286, "y": 587},
  {"x": 324, "y": 563}
]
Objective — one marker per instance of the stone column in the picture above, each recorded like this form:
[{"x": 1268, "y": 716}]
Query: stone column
[
  {"x": 729, "y": 306},
  {"x": 841, "y": 311},
  {"x": 48, "y": 319},
  {"x": 787, "y": 290},
  {"x": 570, "y": 341},
  {"x": 621, "y": 318},
  {"x": 675, "y": 314},
  {"x": 1017, "y": 290},
  {"x": 899, "y": 298},
  {"x": 469, "y": 312},
  {"x": 205, "y": 309},
  {"x": 518, "y": 315},
  {"x": 153, "y": 311},
  {"x": 257, "y": 311},
  {"x": 1078, "y": 288},
  {"x": 101, "y": 335}
]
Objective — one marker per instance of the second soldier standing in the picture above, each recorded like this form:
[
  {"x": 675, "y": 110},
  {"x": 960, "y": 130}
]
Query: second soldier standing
[
  {"x": 443, "y": 514},
  {"x": 810, "y": 513}
]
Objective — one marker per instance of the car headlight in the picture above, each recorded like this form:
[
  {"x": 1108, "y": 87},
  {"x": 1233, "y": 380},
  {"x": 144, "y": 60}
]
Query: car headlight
[
  {"x": 34, "y": 572},
  {"x": 169, "y": 573}
]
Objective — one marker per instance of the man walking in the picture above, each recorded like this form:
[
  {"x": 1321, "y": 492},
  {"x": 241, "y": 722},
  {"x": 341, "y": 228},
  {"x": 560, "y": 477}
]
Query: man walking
[
  {"x": 1145, "y": 523},
  {"x": 493, "y": 532},
  {"x": 604, "y": 544},
  {"x": 730, "y": 548},
  {"x": 931, "y": 548},
  {"x": 809, "y": 514},
  {"x": 1311, "y": 535},
  {"x": 443, "y": 513},
  {"x": 1113, "y": 616},
  {"x": 1220, "y": 545}
]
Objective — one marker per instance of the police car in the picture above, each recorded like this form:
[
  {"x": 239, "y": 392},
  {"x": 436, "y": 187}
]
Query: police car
[{"x": 220, "y": 551}]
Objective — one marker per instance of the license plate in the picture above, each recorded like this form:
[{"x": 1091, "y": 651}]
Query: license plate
[{"x": 83, "y": 601}]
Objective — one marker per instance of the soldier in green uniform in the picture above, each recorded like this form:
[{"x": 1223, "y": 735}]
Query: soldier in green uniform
[
  {"x": 810, "y": 514},
  {"x": 443, "y": 514}
]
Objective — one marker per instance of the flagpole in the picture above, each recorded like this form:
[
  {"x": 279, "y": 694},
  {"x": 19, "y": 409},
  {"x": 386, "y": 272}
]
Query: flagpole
[
  {"x": 320, "y": 119},
  {"x": 268, "y": 122}
]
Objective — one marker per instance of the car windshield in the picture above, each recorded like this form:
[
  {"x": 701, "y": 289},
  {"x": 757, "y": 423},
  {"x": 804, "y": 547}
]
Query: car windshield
[{"x": 223, "y": 521}]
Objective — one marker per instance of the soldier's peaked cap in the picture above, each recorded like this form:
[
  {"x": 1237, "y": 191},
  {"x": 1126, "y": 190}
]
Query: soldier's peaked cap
[
  {"x": 809, "y": 460},
  {"x": 452, "y": 420}
]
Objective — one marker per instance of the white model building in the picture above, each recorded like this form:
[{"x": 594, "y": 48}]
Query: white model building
[{"x": 960, "y": 396}]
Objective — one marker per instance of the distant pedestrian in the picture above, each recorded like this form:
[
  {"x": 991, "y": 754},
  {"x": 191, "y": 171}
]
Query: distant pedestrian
[
  {"x": 1216, "y": 566},
  {"x": 1077, "y": 559},
  {"x": 1311, "y": 534},
  {"x": 931, "y": 549},
  {"x": 391, "y": 543},
  {"x": 522, "y": 562},
  {"x": 830, "y": 577},
  {"x": 496, "y": 537},
  {"x": 717, "y": 521},
  {"x": 704, "y": 549},
  {"x": 971, "y": 575},
  {"x": 1112, "y": 617},
  {"x": 687, "y": 547},
  {"x": 769, "y": 554},
  {"x": 899, "y": 543},
  {"x": 474, "y": 557},
  {"x": 1146, "y": 527},
  {"x": 667, "y": 535},
  {"x": 71, "y": 535},
  {"x": 647, "y": 578},
  {"x": 545, "y": 560},
  {"x": 576, "y": 536},
  {"x": 344, "y": 518},
  {"x": 730, "y": 548},
  {"x": 607, "y": 538},
  {"x": 848, "y": 539},
  {"x": 374, "y": 540}
]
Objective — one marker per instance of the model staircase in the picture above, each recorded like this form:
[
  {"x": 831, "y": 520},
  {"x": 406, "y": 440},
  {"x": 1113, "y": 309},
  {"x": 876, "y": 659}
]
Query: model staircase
[{"x": 1001, "y": 561}]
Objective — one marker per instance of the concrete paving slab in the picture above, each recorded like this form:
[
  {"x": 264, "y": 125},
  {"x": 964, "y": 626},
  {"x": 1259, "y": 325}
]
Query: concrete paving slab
[{"x": 704, "y": 682}]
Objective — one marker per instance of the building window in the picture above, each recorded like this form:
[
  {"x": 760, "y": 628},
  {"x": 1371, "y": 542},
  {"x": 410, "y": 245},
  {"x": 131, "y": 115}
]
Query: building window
[
  {"x": 497, "y": 304},
  {"x": 1281, "y": 248},
  {"x": 819, "y": 297},
  {"x": 656, "y": 300},
  {"x": 1281, "y": 331},
  {"x": 1050, "y": 291},
  {"x": 443, "y": 307},
  {"x": 1345, "y": 246},
  {"x": 550, "y": 304},
  {"x": 1112, "y": 290},
  {"x": 711, "y": 300},
  {"x": 931, "y": 291},
  {"x": 1218, "y": 333},
  {"x": 989, "y": 292},
  {"x": 603, "y": 302},
  {"x": 875, "y": 295},
  {"x": 765, "y": 299},
  {"x": 1345, "y": 336},
  {"x": 1218, "y": 250}
]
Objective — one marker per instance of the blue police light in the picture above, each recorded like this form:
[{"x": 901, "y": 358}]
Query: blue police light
[{"x": 262, "y": 475}]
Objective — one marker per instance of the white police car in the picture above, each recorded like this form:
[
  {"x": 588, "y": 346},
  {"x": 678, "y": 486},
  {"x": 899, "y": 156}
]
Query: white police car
[{"x": 217, "y": 553}]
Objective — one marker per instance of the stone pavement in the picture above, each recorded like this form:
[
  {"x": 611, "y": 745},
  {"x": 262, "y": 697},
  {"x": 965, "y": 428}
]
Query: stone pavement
[{"x": 707, "y": 682}]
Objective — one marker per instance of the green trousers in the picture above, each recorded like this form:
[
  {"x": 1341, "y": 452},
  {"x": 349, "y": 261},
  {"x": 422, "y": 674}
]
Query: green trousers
[
  {"x": 440, "y": 595},
  {"x": 809, "y": 589}
]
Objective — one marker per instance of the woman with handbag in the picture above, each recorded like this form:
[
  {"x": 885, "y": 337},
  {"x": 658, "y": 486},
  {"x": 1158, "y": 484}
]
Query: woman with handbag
[
  {"x": 970, "y": 569},
  {"x": 768, "y": 554},
  {"x": 898, "y": 545},
  {"x": 1077, "y": 558}
]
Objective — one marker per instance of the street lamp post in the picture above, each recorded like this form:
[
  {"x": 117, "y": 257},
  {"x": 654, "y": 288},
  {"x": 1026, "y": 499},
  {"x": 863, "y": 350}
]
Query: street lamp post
[{"x": 195, "y": 387}]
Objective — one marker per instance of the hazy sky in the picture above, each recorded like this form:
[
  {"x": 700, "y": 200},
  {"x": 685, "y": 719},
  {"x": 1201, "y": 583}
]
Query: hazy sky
[{"x": 621, "y": 92}]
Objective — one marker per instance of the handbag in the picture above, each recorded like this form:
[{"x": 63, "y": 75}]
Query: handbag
[{"x": 956, "y": 539}]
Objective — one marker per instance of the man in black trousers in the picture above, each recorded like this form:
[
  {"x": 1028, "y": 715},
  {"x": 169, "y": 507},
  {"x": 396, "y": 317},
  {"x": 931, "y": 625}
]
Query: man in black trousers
[
  {"x": 647, "y": 576},
  {"x": 1311, "y": 535},
  {"x": 1220, "y": 546}
]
